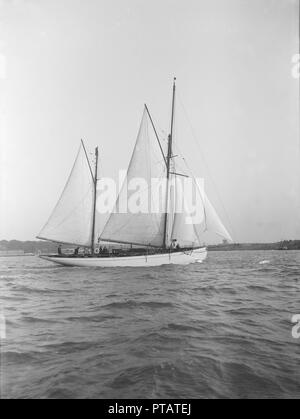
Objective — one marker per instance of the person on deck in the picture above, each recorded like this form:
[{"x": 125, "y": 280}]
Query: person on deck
[
  {"x": 174, "y": 245},
  {"x": 76, "y": 251},
  {"x": 59, "y": 250}
]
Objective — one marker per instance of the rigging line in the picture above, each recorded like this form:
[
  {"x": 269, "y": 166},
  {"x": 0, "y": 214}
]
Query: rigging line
[
  {"x": 163, "y": 132},
  {"x": 157, "y": 137},
  {"x": 86, "y": 155},
  {"x": 194, "y": 136}
]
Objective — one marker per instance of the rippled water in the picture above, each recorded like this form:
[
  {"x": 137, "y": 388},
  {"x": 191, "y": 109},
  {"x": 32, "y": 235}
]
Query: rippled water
[{"x": 217, "y": 329}]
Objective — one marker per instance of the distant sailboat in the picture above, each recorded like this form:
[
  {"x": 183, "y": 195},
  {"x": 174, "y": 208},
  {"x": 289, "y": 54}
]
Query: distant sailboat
[{"x": 163, "y": 237}]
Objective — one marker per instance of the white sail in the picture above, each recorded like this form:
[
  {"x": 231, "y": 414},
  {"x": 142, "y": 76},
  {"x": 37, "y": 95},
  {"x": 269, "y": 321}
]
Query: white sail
[
  {"x": 194, "y": 216},
  {"x": 184, "y": 220},
  {"x": 145, "y": 225},
  {"x": 71, "y": 220},
  {"x": 213, "y": 221}
]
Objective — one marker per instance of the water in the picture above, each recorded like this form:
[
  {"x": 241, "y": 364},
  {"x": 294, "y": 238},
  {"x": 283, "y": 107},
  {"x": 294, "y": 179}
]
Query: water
[{"x": 217, "y": 329}]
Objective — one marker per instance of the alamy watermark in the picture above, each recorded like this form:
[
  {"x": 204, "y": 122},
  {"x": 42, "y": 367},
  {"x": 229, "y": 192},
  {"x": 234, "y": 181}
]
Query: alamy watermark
[
  {"x": 141, "y": 196},
  {"x": 296, "y": 328}
]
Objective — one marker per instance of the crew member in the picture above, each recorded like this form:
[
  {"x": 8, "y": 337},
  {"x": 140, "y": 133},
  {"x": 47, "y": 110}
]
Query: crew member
[{"x": 174, "y": 244}]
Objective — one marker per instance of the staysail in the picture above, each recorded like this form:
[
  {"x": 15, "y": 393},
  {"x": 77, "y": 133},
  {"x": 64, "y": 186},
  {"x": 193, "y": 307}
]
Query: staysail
[
  {"x": 194, "y": 214},
  {"x": 213, "y": 222},
  {"x": 139, "y": 214},
  {"x": 186, "y": 214},
  {"x": 71, "y": 219}
]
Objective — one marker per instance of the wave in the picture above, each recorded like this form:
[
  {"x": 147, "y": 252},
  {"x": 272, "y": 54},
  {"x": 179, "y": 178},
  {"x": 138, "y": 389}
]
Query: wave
[
  {"x": 182, "y": 327},
  {"x": 13, "y": 298},
  {"x": 259, "y": 288},
  {"x": 29, "y": 319},
  {"x": 33, "y": 290},
  {"x": 135, "y": 304},
  {"x": 66, "y": 348},
  {"x": 12, "y": 357},
  {"x": 94, "y": 319}
]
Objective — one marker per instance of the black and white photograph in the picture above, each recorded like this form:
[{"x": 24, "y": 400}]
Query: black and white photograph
[{"x": 149, "y": 202}]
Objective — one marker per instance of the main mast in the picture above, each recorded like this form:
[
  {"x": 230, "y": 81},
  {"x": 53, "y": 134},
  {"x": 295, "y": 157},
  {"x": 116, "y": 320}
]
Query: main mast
[
  {"x": 95, "y": 201},
  {"x": 169, "y": 158}
]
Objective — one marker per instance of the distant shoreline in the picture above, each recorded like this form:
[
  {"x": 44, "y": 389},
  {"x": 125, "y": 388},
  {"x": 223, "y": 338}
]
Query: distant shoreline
[
  {"x": 30, "y": 248},
  {"x": 17, "y": 255},
  {"x": 284, "y": 245}
]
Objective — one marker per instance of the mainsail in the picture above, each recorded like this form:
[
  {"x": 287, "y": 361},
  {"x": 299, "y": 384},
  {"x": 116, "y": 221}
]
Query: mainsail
[
  {"x": 145, "y": 185},
  {"x": 71, "y": 219}
]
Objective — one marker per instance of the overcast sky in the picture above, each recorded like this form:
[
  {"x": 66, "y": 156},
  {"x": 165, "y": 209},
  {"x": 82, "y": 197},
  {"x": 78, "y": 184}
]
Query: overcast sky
[{"x": 72, "y": 69}]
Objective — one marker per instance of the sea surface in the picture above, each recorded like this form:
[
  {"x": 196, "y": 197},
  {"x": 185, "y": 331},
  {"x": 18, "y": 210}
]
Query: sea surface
[{"x": 220, "y": 329}]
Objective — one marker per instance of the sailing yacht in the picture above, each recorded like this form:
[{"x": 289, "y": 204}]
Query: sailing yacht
[{"x": 167, "y": 235}]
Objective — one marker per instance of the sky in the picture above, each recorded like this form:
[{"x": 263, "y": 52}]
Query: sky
[{"x": 73, "y": 69}]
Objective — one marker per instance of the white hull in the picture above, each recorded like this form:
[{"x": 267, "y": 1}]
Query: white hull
[{"x": 177, "y": 258}]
